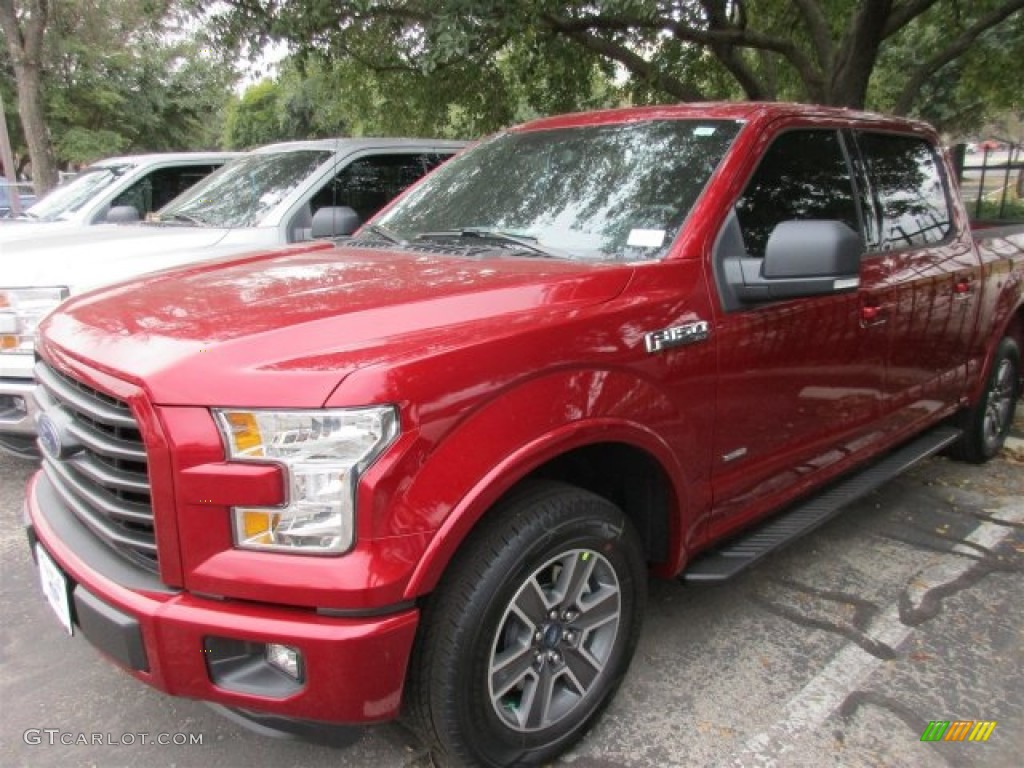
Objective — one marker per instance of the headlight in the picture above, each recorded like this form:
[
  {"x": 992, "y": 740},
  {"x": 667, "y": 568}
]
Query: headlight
[
  {"x": 21, "y": 309},
  {"x": 323, "y": 453}
]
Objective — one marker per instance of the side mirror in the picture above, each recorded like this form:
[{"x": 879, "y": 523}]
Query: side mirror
[
  {"x": 803, "y": 258},
  {"x": 123, "y": 214},
  {"x": 333, "y": 221}
]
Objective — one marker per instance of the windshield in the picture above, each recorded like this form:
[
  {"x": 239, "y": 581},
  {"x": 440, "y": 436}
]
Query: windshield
[
  {"x": 588, "y": 193},
  {"x": 242, "y": 192},
  {"x": 68, "y": 198}
]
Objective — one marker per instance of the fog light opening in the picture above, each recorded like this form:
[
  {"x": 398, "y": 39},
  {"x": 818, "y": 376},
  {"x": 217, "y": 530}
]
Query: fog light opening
[
  {"x": 13, "y": 407},
  {"x": 286, "y": 659}
]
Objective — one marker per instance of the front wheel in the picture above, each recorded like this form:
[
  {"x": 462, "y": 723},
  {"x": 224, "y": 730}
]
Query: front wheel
[
  {"x": 987, "y": 423},
  {"x": 531, "y": 631}
]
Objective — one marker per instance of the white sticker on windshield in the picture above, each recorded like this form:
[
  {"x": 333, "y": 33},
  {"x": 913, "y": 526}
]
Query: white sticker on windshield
[
  {"x": 704, "y": 130},
  {"x": 646, "y": 238}
]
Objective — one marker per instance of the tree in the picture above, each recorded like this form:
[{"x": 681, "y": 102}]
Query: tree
[
  {"x": 253, "y": 119},
  {"x": 9, "y": 94},
  {"x": 317, "y": 95},
  {"x": 915, "y": 74},
  {"x": 119, "y": 76},
  {"x": 127, "y": 76},
  {"x": 823, "y": 51},
  {"x": 23, "y": 27}
]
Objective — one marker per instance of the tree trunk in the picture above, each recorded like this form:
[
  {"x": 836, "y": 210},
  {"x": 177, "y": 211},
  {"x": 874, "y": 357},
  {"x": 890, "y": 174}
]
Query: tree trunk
[
  {"x": 858, "y": 54},
  {"x": 25, "y": 46},
  {"x": 37, "y": 135}
]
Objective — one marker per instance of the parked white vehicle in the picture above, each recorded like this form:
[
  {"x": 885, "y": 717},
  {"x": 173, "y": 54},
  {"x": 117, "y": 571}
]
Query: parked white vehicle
[
  {"x": 284, "y": 193},
  {"x": 118, "y": 189}
]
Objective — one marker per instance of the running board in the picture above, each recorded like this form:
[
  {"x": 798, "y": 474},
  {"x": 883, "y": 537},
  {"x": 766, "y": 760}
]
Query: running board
[{"x": 746, "y": 549}]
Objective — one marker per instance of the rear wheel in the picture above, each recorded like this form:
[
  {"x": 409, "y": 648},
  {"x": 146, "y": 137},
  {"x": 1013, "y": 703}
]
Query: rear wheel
[
  {"x": 531, "y": 631},
  {"x": 987, "y": 423}
]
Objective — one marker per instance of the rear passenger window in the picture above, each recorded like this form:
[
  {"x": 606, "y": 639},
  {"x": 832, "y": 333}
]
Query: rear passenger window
[
  {"x": 803, "y": 175},
  {"x": 909, "y": 190}
]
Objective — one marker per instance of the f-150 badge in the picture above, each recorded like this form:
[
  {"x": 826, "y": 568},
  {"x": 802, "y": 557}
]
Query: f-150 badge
[{"x": 679, "y": 336}]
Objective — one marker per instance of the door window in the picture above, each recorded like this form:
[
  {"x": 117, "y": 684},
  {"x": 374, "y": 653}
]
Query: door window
[
  {"x": 154, "y": 190},
  {"x": 913, "y": 208},
  {"x": 803, "y": 175},
  {"x": 369, "y": 183}
]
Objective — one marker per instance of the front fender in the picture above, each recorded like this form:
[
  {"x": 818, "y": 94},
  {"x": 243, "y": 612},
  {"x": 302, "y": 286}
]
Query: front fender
[{"x": 493, "y": 449}]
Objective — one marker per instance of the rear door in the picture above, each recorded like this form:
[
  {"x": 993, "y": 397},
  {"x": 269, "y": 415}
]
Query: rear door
[
  {"x": 800, "y": 380},
  {"x": 931, "y": 275}
]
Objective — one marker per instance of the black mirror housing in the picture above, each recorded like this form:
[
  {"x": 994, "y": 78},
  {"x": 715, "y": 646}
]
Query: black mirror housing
[{"x": 802, "y": 258}]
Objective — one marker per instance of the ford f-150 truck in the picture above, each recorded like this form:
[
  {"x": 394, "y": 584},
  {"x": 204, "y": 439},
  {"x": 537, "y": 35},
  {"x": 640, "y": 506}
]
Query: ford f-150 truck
[
  {"x": 427, "y": 472},
  {"x": 282, "y": 193}
]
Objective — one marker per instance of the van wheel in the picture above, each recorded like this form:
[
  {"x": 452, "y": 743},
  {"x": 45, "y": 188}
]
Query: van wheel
[
  {"x": 987, "y": 423},
  {"x": 531, "y": 630}
]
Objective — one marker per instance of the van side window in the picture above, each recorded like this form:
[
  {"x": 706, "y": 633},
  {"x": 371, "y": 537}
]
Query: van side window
[
  {"x": 909, "y": 189},
  {"x": 803, "y": 175}
]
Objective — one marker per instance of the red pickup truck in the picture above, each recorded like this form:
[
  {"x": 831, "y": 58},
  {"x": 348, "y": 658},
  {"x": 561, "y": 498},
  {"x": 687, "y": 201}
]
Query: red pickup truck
[{"x": 428, "y": 471}]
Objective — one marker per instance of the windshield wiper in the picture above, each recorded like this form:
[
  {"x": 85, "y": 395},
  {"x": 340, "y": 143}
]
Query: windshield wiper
[
  {"x": 523, "y": 241},
  {"x": 387, "y": 234}
]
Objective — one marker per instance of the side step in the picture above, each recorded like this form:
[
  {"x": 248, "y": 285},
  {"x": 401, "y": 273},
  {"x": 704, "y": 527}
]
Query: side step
[{"x": 743, "y": 551}]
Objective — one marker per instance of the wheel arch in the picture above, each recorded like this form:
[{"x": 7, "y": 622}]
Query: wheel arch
[
  {"x": 1015, "y": 330},
  {"x": 582, "y": 455},
  {"x": 1011, "y": 327}
]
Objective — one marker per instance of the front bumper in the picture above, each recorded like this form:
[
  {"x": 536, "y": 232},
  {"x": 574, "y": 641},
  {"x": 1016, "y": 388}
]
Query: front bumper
[{"x": 353, "y": 668}]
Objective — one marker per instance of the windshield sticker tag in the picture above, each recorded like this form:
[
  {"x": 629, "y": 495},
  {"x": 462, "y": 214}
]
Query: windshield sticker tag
[
  {"x": 646, "y": 238},
  {"x": 704, "y": 130}
]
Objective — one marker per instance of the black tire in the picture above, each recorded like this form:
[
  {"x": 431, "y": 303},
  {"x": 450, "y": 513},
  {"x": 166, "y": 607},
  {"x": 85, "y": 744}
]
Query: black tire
[
  {"x": 987, "y": 423},
  {"x": 488, "y": 688}
]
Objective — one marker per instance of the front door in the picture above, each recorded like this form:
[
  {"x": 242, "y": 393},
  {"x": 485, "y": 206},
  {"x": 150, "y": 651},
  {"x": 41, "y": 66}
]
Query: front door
[{"x": 800, "y": 380}]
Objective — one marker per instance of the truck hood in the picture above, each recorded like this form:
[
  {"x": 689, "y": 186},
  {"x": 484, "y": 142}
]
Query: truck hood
[
  {"x": 87, "y": 257},
  {"x": 283, "y": 329}
]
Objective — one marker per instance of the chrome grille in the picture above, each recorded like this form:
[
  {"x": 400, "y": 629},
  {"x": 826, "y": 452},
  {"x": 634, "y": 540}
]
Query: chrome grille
[{"x": 105, "y": 482}]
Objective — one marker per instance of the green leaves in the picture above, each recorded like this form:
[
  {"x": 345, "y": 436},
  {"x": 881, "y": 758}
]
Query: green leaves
[{"x": 122, "y": 76}]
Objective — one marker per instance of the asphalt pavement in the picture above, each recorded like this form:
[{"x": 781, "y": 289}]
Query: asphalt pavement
[{"x": 837, "y": 651}]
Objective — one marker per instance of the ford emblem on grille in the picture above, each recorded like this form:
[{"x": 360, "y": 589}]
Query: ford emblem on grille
[{"x": 54, "y": 437}]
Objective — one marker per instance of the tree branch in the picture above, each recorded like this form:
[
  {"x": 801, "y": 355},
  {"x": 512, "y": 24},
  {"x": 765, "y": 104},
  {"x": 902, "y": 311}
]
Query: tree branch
[
  {"x": 817, "y": 25},
  {"x": 11, "y": 29},
  {"x": 753, "y": 86},
  {"x": 632, "y": 61},
  {"x": 748, "y": 38},
  {"x": 902, "y": 15},
  {"x": 855, "y": 60},
  {"x": 727, "y": 36},
  {"x": 957, "y": 48}
]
